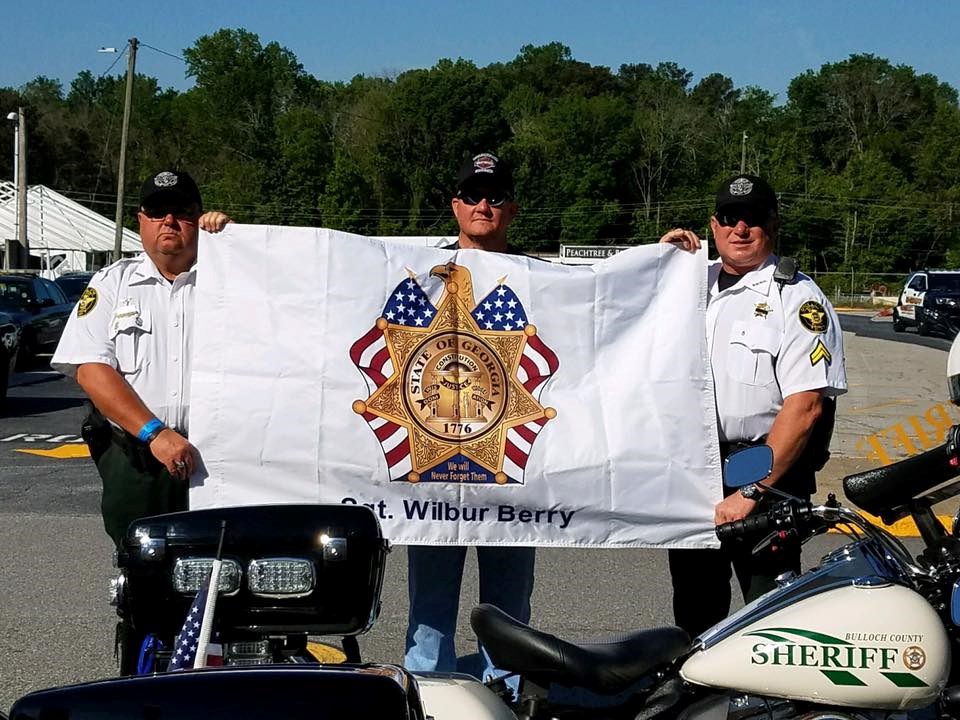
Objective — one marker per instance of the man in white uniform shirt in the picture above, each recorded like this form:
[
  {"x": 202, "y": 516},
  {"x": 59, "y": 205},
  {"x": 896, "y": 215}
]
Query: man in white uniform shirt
[
  {"x": 777, "y": 355},
  {"x": 128, "y": 343}
]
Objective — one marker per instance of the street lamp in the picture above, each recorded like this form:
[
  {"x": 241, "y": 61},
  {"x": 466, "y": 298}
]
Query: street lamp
[
  {"x": 14, "y": 118},
  {"x": 20, "y": 182}
]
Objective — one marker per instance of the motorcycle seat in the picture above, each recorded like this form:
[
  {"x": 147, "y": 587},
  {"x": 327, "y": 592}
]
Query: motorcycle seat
[{"x": 603, "y": 667}]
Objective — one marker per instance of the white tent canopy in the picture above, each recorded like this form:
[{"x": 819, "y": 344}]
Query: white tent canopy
[{"x": 58, "y": 226}]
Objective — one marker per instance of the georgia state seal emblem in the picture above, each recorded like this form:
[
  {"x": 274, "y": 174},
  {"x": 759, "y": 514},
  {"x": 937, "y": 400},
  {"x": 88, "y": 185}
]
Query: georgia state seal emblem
[{"x": 454, "y": 387}]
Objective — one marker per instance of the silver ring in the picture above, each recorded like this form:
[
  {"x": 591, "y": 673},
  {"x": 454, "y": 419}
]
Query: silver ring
[{"x": 179, "y": 463}]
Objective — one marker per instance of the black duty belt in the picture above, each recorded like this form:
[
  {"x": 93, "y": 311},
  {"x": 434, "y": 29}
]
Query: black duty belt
[{"x": 728, "y": 448}]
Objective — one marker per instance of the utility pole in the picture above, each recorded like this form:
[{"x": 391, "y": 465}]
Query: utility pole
[
  {"x": 743, "y": 153},
  {"x": 127, "y": 102}
]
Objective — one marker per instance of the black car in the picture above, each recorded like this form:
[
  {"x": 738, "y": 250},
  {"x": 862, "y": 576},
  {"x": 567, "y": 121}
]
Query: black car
[
  {"x": 73, "y": 284},
  {"x": 40, "y": 307},
  {"x": 9, "y": 347}
]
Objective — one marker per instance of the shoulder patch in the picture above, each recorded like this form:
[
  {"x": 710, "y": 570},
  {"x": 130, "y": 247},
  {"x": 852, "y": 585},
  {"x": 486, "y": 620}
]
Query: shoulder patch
[
  {"x": 87, "y": 302},
  {"x": 820, "y": 353},
  {"x": 813, "y": 317}
]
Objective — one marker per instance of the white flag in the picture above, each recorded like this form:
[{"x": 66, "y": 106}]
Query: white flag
[{"x": 467, "y": 397}]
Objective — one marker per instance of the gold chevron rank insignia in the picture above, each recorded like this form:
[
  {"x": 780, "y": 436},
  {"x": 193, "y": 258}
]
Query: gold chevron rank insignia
[
  {"x": 454, "y": 387},
  {"x": 819, "y": 353}
]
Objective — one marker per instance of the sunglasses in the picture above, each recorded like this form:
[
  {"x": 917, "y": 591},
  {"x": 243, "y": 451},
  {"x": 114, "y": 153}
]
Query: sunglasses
[
  {"x": 493, "y": 199},
  {"x": 753, "y": 218},
  {"x": 180, "y": 212}
]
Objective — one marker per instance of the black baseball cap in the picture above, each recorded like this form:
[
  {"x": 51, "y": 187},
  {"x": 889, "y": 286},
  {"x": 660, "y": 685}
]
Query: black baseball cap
[
  {"x": 747, "y": 191},
  {"x": 486, "y": 169},
  {"x": 170, "y": 184}
]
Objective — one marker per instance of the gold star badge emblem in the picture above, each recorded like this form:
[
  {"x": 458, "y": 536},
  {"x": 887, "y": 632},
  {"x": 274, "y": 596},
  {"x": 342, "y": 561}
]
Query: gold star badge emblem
[{"x": 462, "y": 380}]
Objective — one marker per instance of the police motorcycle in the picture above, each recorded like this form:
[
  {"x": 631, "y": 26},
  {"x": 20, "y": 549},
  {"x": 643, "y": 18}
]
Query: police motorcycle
[
  {"x": 866, "y": 634},
  {"x": 287, "y": 575}
]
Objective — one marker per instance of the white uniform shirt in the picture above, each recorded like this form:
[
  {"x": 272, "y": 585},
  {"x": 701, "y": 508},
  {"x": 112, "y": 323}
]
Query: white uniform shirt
[
  {"x": 766, "y": 345},
  {"x": 141, "y": 324}
]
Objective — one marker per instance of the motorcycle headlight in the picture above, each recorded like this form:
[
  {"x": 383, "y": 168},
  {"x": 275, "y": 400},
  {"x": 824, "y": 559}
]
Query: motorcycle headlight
[
  {"x": 945, "y": 301},
  {"x": 281, "y": 577},
  {"x": 190, "y": 573}
]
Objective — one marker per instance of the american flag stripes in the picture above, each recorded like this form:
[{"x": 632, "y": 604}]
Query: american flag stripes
[{"x": 185, "y": 647}]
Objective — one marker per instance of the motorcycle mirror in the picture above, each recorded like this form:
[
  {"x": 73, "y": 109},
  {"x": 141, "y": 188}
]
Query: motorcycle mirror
[
  {"x": 955, "y": 604},
  {"x": 748, "y": 466}
]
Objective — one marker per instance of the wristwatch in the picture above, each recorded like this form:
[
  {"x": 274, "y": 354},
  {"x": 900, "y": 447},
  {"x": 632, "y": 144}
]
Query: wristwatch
[{"x": 750, "y": 492}]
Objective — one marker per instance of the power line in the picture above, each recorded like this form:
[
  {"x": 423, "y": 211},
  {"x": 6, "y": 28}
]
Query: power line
[
  {"x": 115, "y": 61},
  {"x": 163, "y": 52}
]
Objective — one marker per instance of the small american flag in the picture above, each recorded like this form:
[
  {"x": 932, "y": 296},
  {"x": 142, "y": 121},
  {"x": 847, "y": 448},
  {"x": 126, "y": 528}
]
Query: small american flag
[
  {"x": 185, "y": 648},
  {"x": 189, "y": 641}
]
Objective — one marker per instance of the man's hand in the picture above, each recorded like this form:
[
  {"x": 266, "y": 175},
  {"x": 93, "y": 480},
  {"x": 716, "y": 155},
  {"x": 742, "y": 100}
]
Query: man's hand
[
  {"x": 733, "y": 507},
  {"x": 686, "y": 239},
  {"x": 175, "y": 452},
  {"x": 214, "y": 221}
]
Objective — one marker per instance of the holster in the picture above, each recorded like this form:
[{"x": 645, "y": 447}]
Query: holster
[
  {"x": 817, "y": 451},
  {"x": 95, "y": 431},
  {"x": 137, "y": 452},
  {"x": 99, "y": 434}
]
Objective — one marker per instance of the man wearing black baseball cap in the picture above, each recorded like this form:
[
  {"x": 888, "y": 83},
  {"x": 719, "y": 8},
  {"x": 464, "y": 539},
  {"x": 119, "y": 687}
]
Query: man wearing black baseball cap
[
  {"x": 776, "y": 351},
  {"x": 128, "y": 342},
  {"x": 484, "y": 207},
  {"x": 484, "y": 204}
]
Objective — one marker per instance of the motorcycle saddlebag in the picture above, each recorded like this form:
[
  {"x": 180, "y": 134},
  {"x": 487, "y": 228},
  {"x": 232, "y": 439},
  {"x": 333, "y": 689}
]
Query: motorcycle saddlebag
[{"x": 314, "y": 569}]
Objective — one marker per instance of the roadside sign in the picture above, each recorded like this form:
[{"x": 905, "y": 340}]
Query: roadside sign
[{"x": 588, "y": 254}]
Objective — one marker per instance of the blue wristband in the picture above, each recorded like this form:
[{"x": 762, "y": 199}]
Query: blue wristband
[{"x": 150, "y": 430}]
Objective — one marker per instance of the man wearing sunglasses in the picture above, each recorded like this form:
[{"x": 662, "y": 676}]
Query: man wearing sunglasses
[
  {"x": 484, "y": 207},
  {"x": 776, "y": 351},
  {"x": 128, "y": 344}
]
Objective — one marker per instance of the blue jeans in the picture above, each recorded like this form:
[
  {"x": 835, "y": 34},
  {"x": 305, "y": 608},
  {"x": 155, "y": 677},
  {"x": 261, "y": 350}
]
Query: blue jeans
[{"x": 434, "y": 577}]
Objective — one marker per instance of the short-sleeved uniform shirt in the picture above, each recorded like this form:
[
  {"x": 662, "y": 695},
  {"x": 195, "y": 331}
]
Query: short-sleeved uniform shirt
[
  {"x": 138, "y": 322},
  {"x": 767, "y": 344}
]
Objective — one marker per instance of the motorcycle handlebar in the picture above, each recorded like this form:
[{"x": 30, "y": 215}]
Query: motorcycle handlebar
[
  {"x": 785, "y": 515},
  {"x": 750, "y": 525},
  {"x": 880, "y": 490}
]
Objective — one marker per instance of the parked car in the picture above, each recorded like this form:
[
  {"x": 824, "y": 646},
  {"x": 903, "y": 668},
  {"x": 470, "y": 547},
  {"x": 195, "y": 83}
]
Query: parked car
[
  {"x": 73, "y": 284},
  {"x": 40, "y": 307},
  {"x": 9, "y": 348},
  {"x": 930, "y": 300}
]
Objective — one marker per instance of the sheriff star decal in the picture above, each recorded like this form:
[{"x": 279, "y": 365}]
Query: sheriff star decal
[
  {"x": 813, "y": 316},
  {"x": 87, "y": 301},
  {"x": 454, "y": 387},
  {"x": 820, "y": 353}
]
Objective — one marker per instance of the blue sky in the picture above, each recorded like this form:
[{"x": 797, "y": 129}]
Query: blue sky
[{"x": 755, "y": 43}]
